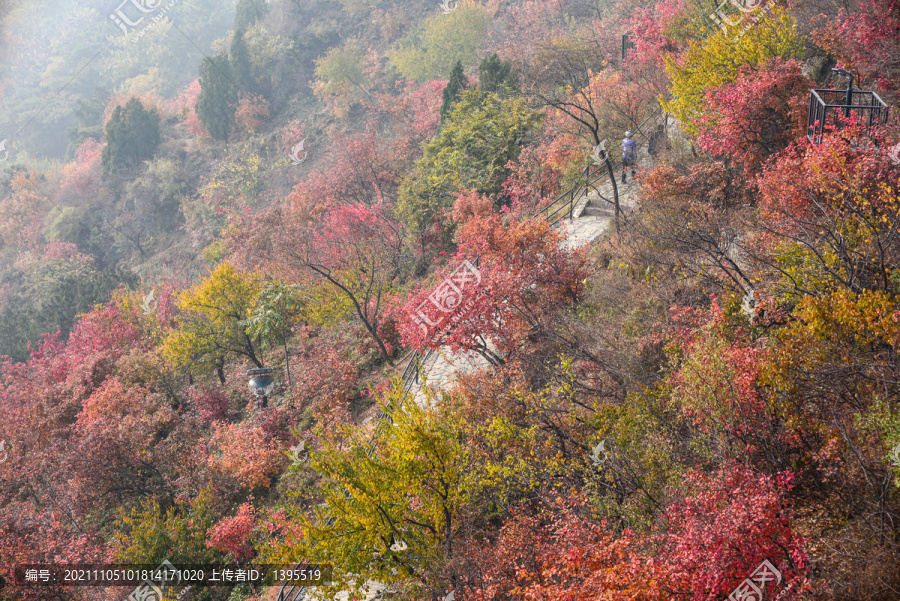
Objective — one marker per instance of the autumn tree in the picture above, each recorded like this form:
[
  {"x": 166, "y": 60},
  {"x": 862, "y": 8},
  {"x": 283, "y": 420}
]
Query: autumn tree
[
  {"x": 251, "y": 113},
  {"x": 358, "y": 167},
  {"x": 757, "y": 115},
  {"x": 688, "y": 226},
  {"x": 398, "y": 509},
  {"x": 350, "y": 258},
  {"x": 720, "y": 58},
  {"x": 522, "y": 280},
  {"x": 126, "y": 425},
  {"x": 483, "y": 134},
  {"x": 716, "y": 538},
  {"x": 558, "y": 552},
  {"x": 561, "y": 74},
  {"x": 209, "y": 330}
]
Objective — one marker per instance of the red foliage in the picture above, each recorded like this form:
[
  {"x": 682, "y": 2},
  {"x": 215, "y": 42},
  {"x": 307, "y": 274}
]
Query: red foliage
[
  {"x": 818, "y": 180},
  {"x": 414, "y": 112},
  {"x": 558, "y": 554},
  {"x": 355, "y": 169},
  {"x": 232, "y": 534},
  {"x": 655, "y": 31},
  {"x": 525, "y": 28},
  {"x": 725, "y": 526},
  {"x": 83, "y": 174},
  {"x": 251, "y": 113},
  {"x": 324, "y": 380},
  {"x": 534, "y": 179},
  {"x": 525, "y": 279},
  {"x": 211, "y": 402},
  {"x": 113, "y": 455},
  {"x": 250, "y": 451},
  {"x": 758, "y": 115},
  {"x": 184, "y": 105},
  {"x": 866, "y": 37},
  {"x": 469, "y": 203}
]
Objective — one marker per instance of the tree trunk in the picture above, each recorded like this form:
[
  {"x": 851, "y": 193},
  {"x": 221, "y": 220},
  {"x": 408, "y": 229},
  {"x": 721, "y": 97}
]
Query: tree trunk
[{"x": 612, "y": 178}]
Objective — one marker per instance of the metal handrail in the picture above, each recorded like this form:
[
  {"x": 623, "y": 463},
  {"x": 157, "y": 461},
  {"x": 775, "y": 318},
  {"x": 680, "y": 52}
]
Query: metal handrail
[
  {"x": 588, "y": 178},
  {"x": 412, "y": 371}
]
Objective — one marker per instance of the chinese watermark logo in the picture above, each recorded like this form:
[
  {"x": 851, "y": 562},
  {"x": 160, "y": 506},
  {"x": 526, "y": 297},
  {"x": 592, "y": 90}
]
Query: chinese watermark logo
[
  {"x": 894, "y": 154},
  {"x": 399, "y": 546},
  {"x": 446, "y": 298},
  {"x": 131, "y": 13},
  {"x": 4, "y": 451},
  {"x": 165, "y": 578},
  {"x": 745, "y": 7},
  {"x": 298, "y": 454},
  {"x": 149, "y": 304},
  {"x": 296, "y": 150},
  {"x": 598, "y": 453},
  {"x": 4, "y": 151},
  {"x": 447, "y": 4},
  {"x": 751, "y": 589},
  {"x": 599, "y": 154},
  {"x": 895, "y": 455}
]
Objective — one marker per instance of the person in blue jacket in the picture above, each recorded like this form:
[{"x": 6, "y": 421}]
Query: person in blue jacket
[{"x": 629, "y": 154}]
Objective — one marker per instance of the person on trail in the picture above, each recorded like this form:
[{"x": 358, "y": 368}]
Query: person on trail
[{"x": 629, "y": 154}]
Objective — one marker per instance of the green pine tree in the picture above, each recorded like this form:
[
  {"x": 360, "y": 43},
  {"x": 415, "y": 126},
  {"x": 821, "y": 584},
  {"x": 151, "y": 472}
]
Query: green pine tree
[
  {"x": 248, "y": 12},
  {"x": 132, "y": 136},
  {"x": 495, "y": 75},
  {"x": 455, "y": 86},
  {"x": 218, "y": 96},
  {"x": 239, "y": 59}
]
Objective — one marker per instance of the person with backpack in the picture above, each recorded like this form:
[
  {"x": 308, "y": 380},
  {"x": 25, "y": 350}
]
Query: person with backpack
[{"x": 629, "y": 155}]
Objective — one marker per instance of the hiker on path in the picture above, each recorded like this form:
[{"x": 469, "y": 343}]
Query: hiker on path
[{"x": 629, "y": 155}]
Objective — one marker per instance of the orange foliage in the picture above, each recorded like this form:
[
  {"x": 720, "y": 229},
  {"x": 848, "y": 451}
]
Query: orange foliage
[
  {"x": 251, "y": 114},
  {"x": 248, "y": 453}
]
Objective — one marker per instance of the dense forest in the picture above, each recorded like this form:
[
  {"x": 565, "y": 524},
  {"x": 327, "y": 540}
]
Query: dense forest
[{"x": 701, "y": 402}]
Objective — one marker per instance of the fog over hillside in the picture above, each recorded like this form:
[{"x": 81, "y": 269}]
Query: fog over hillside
[{"x": 449, "y": 300}]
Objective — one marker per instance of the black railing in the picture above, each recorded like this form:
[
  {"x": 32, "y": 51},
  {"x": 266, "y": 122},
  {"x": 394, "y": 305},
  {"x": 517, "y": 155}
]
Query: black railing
[
  {"x": 564, "y": 204},
  {"x": 830, "y": 110},
  {"x": 412, "y": 372}
]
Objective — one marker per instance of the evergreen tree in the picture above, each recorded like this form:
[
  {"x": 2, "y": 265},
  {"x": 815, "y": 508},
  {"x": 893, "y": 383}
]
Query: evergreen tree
[
  {"x": 218, "y": 96},
  {"x": 494, "y": 75},
  {"x": 248, "y": 12},
  {"x": 240, "y": 62},
  {"x": 132, "y": 136},
  {"x": 455, "y": 86}
]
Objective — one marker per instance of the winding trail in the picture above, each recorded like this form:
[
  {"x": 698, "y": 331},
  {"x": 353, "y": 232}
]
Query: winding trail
[{"x": 593, "y": 215}]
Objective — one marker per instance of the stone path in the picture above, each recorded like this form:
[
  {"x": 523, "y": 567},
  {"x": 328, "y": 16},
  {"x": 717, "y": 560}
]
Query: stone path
[
  {"x": 443, "y": 369},
  {"x": 592, "y": 217}
]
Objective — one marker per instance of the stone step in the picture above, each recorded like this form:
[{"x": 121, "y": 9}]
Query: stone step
[
  {"x": 593, "y": 210},
  {"x": 580, "y": 206}
]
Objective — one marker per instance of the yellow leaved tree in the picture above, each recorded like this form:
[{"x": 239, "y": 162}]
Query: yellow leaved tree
[
  {"x": 209, "y": 329},
  {"x": 718, "y": 59}
]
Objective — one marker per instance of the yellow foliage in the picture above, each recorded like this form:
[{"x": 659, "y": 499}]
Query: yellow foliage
[
  {"x": 717, "y": 60},
  {"x": 444, "y": 39},
  {"x": 209, "y": 327}
]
